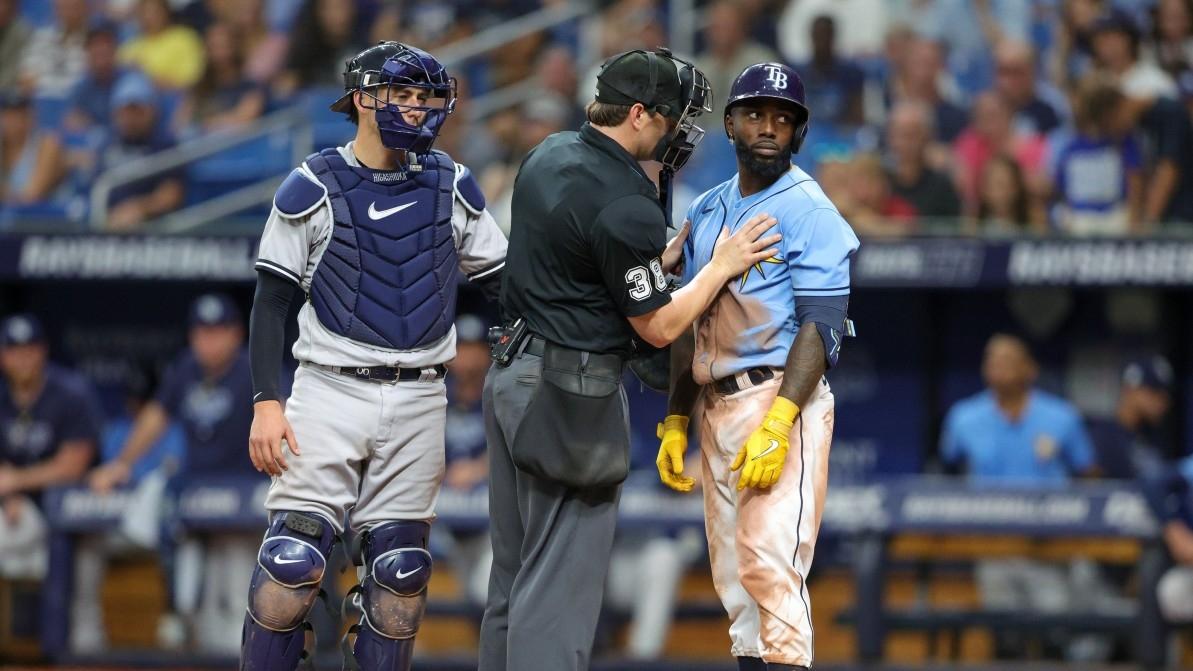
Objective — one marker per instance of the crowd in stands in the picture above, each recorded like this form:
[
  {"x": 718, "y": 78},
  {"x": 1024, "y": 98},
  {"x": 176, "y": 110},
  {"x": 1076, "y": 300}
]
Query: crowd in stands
[{"x": 990, "y": 117}]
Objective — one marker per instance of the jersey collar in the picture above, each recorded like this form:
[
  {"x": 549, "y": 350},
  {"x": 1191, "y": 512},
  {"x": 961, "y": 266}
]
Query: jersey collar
[{"x": 734, "y": 198}]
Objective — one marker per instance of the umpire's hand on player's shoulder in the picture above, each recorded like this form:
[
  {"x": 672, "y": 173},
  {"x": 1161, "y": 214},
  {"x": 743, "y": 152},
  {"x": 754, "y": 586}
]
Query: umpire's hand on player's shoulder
[
  {"x": 737, "y": 251},
  {"x": 673, "y": 432},
  {"x": 765, "y": 450},
  {"x": 270, "y": 428}
]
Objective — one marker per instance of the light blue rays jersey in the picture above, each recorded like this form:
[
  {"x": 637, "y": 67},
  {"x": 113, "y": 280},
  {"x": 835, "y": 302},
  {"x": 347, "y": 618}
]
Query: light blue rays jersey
[{"x": 753, "y": 323}]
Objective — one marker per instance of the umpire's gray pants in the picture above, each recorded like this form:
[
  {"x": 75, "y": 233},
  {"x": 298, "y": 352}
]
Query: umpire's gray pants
[{"x": 551, "y": 546}]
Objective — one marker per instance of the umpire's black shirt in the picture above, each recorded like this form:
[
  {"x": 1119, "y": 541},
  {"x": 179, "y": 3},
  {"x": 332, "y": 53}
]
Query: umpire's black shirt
[{"x": 586, "y": 232}]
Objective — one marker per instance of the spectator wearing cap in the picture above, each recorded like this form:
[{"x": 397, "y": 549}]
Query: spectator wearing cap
[
  {"x": 468, "y": 550},
  {"x": 1116, "y": 48},
  {"x": 49, "y": 429},
  {"x": 137, "y": 132},
  {"x": 1039, "y": 107},
  {"x": 55, "y": 59},
  {"x": 14, "y": 36},
  {"x": 169, "y": 53},
  {"x": 1139, "y": 438},
  {"x": 833, "y": 83},
  {"x": 32, "y": 165},
  {"x": 208, "y": 389}
]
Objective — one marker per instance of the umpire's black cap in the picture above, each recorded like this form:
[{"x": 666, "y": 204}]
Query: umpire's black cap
[{"x": 641, "y": 77}]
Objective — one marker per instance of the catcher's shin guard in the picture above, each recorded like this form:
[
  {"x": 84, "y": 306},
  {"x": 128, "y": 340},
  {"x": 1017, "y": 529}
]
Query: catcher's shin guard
[
  {"x": 393, "y": 596},
  {"x": 290, "y": 566}
]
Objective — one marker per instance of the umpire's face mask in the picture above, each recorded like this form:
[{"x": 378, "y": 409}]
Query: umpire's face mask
[{"x": 676, "y": 147}]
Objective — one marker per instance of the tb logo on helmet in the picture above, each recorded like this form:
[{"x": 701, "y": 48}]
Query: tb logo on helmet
[{"x": 776, "y": 77}]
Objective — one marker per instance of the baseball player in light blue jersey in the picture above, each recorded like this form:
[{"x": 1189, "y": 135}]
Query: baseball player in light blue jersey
[{"x": 759, "y": 354}]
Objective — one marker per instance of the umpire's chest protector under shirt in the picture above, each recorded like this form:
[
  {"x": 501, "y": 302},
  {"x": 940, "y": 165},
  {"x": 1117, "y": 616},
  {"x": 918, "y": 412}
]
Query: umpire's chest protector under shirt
[{"x": 586, "y": 233}]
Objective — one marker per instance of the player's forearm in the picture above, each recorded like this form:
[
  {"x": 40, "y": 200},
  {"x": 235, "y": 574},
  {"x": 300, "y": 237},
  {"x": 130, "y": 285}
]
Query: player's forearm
[
  {"x": 805, "y": 366},
  {"x": 661, "y": 327},
  {"x": 1159, "y": 191},
  {"x": 684, "y": 389},
  {"x": 151, "y": 423},
  {"x": 267, "y": 333},
  {"x": 65, "y": 467}
]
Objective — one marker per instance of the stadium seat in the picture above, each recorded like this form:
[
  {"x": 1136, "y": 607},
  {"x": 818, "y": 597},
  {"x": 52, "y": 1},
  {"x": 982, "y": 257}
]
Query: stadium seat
[
  {"x": 239, "y": 166},
  {"x": 331, "y": 128}
]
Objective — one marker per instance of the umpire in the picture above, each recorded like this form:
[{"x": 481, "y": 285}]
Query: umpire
[{"x": 586, "y": 272}]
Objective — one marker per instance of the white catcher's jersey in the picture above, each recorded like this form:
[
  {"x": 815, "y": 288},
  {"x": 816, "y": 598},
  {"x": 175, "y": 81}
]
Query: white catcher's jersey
[{"x": 292, "y": 247}]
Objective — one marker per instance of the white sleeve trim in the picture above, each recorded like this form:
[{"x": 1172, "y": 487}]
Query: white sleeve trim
[{"x": 279, "y": 269}]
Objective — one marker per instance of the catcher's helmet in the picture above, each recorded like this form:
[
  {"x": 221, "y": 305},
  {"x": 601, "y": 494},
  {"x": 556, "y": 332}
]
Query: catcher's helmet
[
  {"x": 398, "y": 65},
  {"x": 776, "y": 81}
]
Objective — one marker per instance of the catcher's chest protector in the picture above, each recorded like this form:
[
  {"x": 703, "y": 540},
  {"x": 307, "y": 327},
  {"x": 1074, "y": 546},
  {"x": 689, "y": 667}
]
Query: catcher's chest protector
[{"x": 389, "y": 274}]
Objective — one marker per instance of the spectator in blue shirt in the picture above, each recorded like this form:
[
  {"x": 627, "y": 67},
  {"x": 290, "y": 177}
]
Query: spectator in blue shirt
[
  {"x": 209, "y": 390},
  {"x": 91, "y": 101},
  {"x": 49, "y": 427},
  {"x": 833, "y": 84},
  {"x": 137, "y": 131},
  {"x": 1099, "y": 180},
  {"x": 1013, "y": 432}
]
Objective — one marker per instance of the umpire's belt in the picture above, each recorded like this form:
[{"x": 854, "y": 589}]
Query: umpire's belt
[
  {"x": 743, "y": 380},
  {"x": 386, "y": 374}
]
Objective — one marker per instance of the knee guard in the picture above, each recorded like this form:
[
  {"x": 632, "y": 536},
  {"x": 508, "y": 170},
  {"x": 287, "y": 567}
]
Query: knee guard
[
  {"x": 285, "y": 584},
  {"x": 393, "y": 595}
]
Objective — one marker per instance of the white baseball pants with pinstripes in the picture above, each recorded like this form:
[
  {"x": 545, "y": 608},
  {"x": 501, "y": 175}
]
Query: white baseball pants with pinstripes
[{"x": 761, "y": 542}]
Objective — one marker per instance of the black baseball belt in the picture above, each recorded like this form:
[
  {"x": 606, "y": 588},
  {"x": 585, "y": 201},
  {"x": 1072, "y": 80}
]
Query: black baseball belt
[
  {"x": 386, "y": 374},
  {"x": 744, "y": 380}
]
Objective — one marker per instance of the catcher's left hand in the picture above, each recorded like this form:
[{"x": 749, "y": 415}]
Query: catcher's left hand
[{"x": 765, "y": 450}]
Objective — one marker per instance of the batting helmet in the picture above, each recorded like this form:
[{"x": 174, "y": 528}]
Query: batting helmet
[
  {"x": 397, "y": 65},
  {"x": 776, "y": 81}
]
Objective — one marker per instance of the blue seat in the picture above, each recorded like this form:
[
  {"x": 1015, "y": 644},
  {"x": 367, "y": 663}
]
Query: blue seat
[
  {"x": 331, "y": 129},
  {"x": 238, "y": 166}
]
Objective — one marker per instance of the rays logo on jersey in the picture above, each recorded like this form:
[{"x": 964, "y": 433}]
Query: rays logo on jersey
[
  {"x": 758, "y": 266},
  {"x": 29, "y": 438},
  {"x": 205, "y": 407},
  {"x": 776, "y": 77}
]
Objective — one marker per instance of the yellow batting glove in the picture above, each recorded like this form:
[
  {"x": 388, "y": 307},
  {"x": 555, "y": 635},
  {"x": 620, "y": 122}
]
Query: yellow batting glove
[
  {"x": 673, "y": 432},
  {"x": 765, "y": 450}
]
